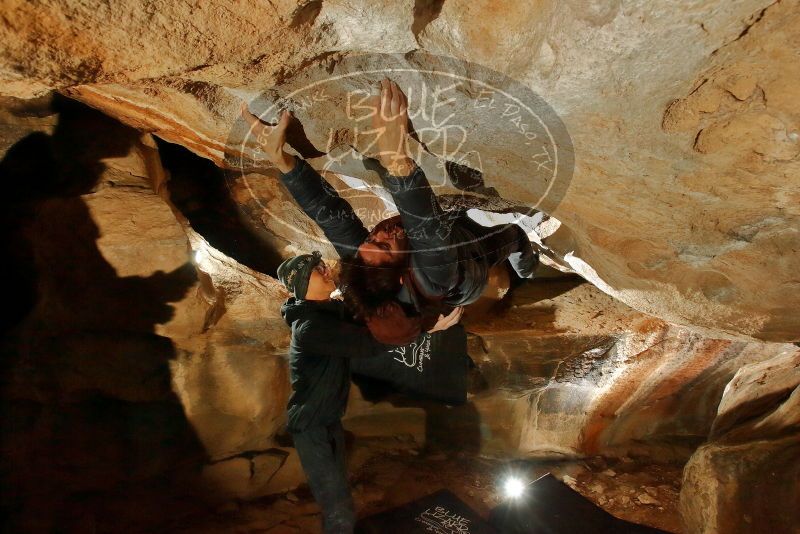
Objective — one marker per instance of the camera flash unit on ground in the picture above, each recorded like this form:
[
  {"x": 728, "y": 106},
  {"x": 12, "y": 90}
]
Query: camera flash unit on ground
[{"x": 513, "y": 487}]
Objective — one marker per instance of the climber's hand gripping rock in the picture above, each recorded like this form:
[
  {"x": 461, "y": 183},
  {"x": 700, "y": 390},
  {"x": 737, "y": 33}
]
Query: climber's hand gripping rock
[
  {"x": 271, "y": 138},
  {"x": 390, "y": 121}
]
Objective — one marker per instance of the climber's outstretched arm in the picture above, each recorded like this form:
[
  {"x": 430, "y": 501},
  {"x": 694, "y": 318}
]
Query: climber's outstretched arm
[
  {"x": 333, "y": 214},
  {"x": 434, "y": 260},
  {"x": 313, "y": 194},
  {"x": 427, "y": 226},
  {"x": 390, "y": 121}
]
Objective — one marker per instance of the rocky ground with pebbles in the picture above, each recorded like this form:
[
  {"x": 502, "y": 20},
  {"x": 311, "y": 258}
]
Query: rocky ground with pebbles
[{"x": 393, "y": 472}]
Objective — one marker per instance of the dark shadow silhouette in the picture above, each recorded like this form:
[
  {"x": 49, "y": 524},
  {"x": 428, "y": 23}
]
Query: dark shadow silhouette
[
  {"x": 448, "y": 429},
  {"x": 468, "y": 179},
  {"x": 452, "y": 430},
  {"x": 306, "y": 14},
  {"x": 297, "y": 138},
  {"x": 545, "y": 288},
  {"x": 198, "y": 189},
  {"x": 93, "y": 438},
  {"x": 425, "y": 12}
]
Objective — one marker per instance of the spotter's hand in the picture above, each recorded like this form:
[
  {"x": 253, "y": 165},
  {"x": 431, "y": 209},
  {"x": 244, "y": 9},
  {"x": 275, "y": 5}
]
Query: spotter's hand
[{"x": 446, "y": 322}]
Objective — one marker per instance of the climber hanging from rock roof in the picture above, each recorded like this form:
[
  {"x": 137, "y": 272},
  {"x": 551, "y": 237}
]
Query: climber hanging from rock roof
[{"x": 411, "y": 268}]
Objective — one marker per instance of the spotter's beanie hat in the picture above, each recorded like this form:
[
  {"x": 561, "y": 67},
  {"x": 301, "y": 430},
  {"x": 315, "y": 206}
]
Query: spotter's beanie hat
[{"x": 294, "y": 273}]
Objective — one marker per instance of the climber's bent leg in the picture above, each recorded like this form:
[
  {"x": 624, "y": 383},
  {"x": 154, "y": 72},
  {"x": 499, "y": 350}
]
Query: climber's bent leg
[{"x": 510, "y": 242}]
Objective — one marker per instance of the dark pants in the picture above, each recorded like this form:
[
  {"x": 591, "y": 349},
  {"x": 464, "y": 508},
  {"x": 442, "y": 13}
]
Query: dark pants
[
  {"x": 505, "y": 240},
  {"x": 509, "y": 241},
  {"x": 321, "y": 451},
  {"x": 485, "y": 247}
]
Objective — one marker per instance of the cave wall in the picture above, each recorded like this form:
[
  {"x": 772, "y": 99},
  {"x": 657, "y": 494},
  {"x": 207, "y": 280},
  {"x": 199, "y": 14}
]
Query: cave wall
[
  {"x": 682, "y": 213},
  {"x": 90, "y": 419},
  {"x": 139, "y": 334},
  {"x": 683, "y": 202},
  {"x": 740, "y": 480},
  {"x": 128, "y": 375}
]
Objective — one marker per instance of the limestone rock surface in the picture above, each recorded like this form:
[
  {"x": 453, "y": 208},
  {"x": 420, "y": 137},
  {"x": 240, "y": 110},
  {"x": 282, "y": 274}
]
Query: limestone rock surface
[
  {"x": 143, "y": 316},
  {"x": 683, "y": 202},
  {"x": 745, "y": 478}
]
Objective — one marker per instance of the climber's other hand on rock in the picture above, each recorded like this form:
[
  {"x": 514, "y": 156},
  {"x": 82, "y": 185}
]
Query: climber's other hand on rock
[
  {"x": 271, "y": 138},
  {"x": 391, "y": 124}
]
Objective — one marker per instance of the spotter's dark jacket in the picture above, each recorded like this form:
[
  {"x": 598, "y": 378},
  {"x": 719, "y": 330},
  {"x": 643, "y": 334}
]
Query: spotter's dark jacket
[
  {"x": 327, "y": 345},
  {"x": 323, "y": 341}
]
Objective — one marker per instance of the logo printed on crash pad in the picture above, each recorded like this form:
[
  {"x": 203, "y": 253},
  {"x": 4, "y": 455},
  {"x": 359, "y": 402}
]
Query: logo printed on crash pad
[
  {"x": 414, "y": 354},
  {"x": 441, "y": 521}
]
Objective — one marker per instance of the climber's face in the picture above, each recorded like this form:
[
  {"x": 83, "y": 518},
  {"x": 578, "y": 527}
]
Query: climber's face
[
  {"x": 321, "y": 280},
  {"x": 386, "y": 244}
]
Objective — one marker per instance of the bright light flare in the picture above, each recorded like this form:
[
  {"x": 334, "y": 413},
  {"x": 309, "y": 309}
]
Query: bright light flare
[
  {"x": 200, "y": 255},
  {"x": 205, "y": 257},
  {"x": 513, "y": 487}
]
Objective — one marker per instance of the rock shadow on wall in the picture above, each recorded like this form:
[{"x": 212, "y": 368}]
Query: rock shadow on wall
[
  {"x": 198, "y": 189},
  {"x": 448, "y": 428},
  {"x": 93, "y": 438},
  {"x": 468, "y": 179}
]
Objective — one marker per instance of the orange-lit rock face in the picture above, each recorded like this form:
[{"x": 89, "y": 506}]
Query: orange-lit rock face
[
  {"x": 684, "y": 200},
  {"x": 585, "y": 375},
  {"x": 143, "y": 319},
  {"x": 750, "y": 463}
]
